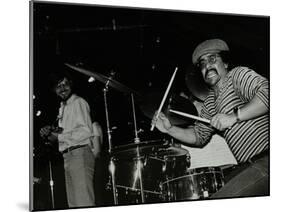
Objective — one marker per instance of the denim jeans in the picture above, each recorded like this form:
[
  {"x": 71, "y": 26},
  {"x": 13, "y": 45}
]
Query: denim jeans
[
  {"x": 79, "y": 177},
  {"x": 252, "y": 180}
]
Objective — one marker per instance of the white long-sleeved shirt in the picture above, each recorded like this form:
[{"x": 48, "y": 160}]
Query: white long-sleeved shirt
[{"x": 74, "y": 118}]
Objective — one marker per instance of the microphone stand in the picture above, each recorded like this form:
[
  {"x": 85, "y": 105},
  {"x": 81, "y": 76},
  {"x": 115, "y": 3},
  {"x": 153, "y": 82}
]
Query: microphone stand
[
  {"x": 51, "y": 181},
  {"x": 51, "y": 184}
]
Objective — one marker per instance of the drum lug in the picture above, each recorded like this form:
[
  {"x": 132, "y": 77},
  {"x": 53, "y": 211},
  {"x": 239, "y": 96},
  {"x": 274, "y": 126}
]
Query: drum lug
[
  {"x": 164, "y": 168},
  {"x": 145, "y": 161}
]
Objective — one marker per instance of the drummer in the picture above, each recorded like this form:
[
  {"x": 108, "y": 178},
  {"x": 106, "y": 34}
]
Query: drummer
[{"x": 238, "y": 108}]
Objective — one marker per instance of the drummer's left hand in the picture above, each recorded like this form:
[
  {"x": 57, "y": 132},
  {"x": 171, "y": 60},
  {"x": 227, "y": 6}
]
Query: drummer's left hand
[{"x": 223, "y": 121}]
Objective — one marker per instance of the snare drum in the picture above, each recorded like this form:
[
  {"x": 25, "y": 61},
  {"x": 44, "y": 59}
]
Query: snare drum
[{"x": 198, "y": 183}]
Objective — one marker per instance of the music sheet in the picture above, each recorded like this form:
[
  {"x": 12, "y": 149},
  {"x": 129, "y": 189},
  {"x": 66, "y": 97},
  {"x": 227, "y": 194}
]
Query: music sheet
[{"x": 215, "y": 153}]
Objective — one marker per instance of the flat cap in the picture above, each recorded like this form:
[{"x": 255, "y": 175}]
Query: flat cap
[{"x": 209, "y": 46}]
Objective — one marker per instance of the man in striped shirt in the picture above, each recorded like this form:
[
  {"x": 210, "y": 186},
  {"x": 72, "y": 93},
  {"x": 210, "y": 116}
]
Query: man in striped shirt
[{"x": 238, "y": 109}]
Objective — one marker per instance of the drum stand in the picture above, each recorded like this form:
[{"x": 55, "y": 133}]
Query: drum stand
[
  {"x": 111, "y": 164},
  {"x": 139, "y": 161}
]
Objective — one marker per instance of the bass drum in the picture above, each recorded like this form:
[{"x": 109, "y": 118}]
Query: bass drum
[{"x": 198, "y": 183}]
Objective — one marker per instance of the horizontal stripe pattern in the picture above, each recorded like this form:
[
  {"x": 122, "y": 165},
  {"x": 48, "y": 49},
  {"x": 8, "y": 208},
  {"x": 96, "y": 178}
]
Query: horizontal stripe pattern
[{"x": 247, "y": 138}]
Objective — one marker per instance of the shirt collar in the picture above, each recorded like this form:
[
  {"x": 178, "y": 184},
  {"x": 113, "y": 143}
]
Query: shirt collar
[{"x": 70, "y": 99}]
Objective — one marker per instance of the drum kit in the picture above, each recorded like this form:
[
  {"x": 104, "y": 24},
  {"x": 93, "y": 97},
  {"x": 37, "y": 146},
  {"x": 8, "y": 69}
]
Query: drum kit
[{"x": 155, "y": 170}]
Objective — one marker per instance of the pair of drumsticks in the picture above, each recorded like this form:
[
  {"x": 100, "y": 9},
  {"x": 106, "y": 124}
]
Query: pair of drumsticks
[{"x": 174, "y": 111}]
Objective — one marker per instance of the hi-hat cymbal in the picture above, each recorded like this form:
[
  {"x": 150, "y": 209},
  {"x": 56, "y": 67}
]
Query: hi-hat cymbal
[
  {"x": 104, "y": 79},
  {"x": 150, "y": 103}
]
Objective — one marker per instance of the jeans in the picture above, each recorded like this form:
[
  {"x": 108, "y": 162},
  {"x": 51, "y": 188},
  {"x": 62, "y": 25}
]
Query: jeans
[
  {"x": 252, "y": 180},
  {"x": 79, "y": 177}
]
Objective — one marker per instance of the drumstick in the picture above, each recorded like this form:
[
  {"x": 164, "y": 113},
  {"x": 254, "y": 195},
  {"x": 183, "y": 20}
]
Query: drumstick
[
  {"x": 190, "y": 116},
  {"x": 164, "y": 97}
]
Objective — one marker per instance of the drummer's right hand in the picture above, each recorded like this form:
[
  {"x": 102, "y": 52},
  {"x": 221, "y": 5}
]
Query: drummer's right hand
[
  {"x": 162, "y": 123},
  {"x": 45, "y": 131}
]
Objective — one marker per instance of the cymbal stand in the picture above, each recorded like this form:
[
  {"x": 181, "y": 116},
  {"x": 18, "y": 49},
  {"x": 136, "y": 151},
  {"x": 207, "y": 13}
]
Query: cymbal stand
[
  {"x": 105, "y": 90},
  {"x": 111, "y": 165},
  {"x": 137, "y": 140}
]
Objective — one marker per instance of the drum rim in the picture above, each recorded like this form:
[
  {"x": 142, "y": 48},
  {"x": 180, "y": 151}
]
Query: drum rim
[
  {"x": 156, "y": 142},
  {"x": 137, "y": 189},
  {"x": 195, "y": 172},
  {"x": 181, "y": 152}
]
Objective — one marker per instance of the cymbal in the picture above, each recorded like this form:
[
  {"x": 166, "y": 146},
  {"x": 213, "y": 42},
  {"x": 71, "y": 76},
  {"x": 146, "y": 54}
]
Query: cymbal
[
  {"x": 104, "y": 79},
  {"x": 150, "y": 103},
  {"x": 196, "y": 85}
]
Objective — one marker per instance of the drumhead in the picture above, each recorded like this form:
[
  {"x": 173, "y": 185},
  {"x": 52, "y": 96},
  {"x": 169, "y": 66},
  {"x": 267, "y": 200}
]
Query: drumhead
[
  {"x": 172, "y": 152},
  {"x": 145, "y": 148}
]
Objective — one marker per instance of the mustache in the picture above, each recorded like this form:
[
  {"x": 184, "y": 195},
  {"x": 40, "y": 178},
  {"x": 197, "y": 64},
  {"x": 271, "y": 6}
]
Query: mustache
[
  {"x": 64, "y": 90},
  {"x": 207, "y": 72}
]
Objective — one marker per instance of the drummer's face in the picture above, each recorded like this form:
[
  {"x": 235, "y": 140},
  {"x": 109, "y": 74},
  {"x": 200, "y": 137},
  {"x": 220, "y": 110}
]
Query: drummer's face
[
  {"x": 63, "y": 89},
  {"x": 213, "y": 68}
]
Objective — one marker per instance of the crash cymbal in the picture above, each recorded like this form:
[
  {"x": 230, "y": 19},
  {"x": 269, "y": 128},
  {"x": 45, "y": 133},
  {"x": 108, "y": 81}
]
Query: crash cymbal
[
  {"x": 196, "y": 85},
  {"x": 151, "y": 101},
  {"x": 104, "y": 79}
]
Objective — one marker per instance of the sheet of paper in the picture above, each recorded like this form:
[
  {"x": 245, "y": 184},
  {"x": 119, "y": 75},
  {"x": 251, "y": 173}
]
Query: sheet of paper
[{"x": 215, "y": 153}]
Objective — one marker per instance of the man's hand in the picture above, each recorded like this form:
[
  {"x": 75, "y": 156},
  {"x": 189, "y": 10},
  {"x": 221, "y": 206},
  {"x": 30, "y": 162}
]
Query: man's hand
[
  {"x": 223, "y": 121},
  {"x": 162, "y": 123},
  {"x": 53, "y": 137},
  {"x": 45, "y": 131}
]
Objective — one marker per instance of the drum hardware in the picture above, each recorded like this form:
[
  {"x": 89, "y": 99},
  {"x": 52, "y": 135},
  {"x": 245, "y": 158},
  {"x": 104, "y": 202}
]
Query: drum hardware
[
  {"x": 49, "y": 145},
  {"x": 51, "y": 184},
  {"x": 109, "y": 136}
]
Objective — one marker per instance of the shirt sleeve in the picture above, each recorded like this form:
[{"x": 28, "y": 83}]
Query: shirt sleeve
[
  {"x": 204, "y": 131},
  {"x": 81, "y": 127},
  {"x": 248, "y": 84}
]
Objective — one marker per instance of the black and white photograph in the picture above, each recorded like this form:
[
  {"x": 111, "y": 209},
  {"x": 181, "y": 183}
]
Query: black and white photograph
[{"x": 134, "y": 106}]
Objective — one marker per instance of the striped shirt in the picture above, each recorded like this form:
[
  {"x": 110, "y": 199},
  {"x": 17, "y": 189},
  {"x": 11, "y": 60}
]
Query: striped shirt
[{"x": 247, "y": 138}]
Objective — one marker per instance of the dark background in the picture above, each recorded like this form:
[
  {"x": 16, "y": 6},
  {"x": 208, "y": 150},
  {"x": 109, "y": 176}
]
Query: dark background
[{"x": 143, "y": 47}]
